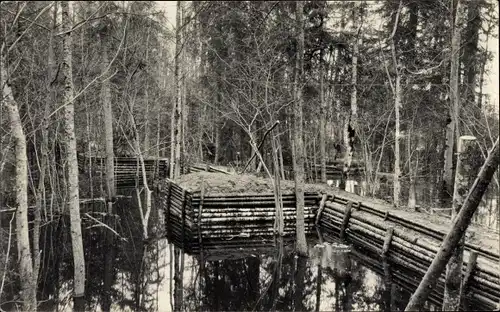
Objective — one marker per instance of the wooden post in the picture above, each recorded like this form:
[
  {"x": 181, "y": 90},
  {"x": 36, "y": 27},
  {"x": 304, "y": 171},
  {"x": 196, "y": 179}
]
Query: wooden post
[
  {"x": 321, "y": 207},
  {"x": 387, "y": 241},
  {"x": 345, "y": 222},
  {"x": 460, "y": 225},
  {"x": 200, "y": 208},
  {"x": 183, "y": 218},
  {"x": 453, "y": 283},
  {"x": 169, "y": 203}
]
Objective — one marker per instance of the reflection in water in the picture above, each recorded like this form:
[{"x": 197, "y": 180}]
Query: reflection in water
[{"x": 124, "y": 272}]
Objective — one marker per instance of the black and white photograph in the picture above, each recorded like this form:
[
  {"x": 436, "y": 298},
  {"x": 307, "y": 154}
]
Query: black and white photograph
[{"x": 249, "y": 156}]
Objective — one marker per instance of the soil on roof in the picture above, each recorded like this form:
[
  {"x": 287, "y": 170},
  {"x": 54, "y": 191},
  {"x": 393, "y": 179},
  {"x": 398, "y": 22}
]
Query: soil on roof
[{"x": 220, "y": 183}]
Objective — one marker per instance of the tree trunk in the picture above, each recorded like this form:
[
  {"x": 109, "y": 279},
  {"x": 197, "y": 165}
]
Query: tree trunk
[
  {"x": 319, "y": 282},
  {"x": 470, "y": 49},
  {"x": 108, "y": 120},
  {"x": 460, "y": 224},
  {"x": 176, "y": 125},
  {"x": 388, "y": 284},
  {"x": 71, "y": 160},
  {"x": 298, "y": 132},
  {"x": 453, "y": 282},
  {"x": 352, "y": 123},
  {"x": 28, "y": 283},
  {"x": 322, "y": 121},
  {"x": 412, "y": 201},
  {"x": 146, "y": 145},
  {"x": 397, "y": 135},
  {"x": 299, "y": 284},
  {"x": 452, "y": 125},
  {"x": 44, "y": 148}
]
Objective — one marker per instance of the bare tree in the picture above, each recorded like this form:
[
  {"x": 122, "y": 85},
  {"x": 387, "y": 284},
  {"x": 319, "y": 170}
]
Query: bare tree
[
  {"x": 351, "y": 126},
  {"x": 452, "y": 122},
  {"x": 28, "y": 285},
  {"x": 299, "y": 155},
  {"x": 71, "y": 158},
  {"x": 108, "y": 113},
  {"x": 176, "y": 126}
]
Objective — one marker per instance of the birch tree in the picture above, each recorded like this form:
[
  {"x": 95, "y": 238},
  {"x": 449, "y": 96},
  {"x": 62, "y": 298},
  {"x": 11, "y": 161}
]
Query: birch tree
[
  {"x": 176, "y": 125},
  {"x": 71, "y": 159},
  {"x": 28, "y": 283}
]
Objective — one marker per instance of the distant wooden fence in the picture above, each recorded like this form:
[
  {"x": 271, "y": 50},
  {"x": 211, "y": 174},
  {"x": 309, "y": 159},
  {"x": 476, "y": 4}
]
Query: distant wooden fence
[
  {"x": 127, "y": 169},
  {"x": 194, "y": 221},
  {"x": 333, "y": 171}
]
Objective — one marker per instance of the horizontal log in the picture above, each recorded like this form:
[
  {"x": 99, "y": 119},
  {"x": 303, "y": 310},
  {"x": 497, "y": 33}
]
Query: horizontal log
[
  {"x": 208, "y": 211},
  {"x": 244, "y": 214}
]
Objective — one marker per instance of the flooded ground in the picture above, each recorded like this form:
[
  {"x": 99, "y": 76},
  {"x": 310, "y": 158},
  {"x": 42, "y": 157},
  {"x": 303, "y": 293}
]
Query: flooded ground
[{"x": 126, "y": 273}]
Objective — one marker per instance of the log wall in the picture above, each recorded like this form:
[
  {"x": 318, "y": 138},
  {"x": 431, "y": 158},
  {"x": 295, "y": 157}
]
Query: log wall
[
  {"x": 228, "y": 220},
  {"x": 127, "y": 169},
  {"x": 195, "y": 222},
  {"x": 404, "y": 250}
]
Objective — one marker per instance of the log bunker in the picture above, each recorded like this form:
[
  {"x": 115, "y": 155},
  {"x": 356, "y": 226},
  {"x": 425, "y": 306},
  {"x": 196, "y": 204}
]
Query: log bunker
[{"x": 207, "y": 211}]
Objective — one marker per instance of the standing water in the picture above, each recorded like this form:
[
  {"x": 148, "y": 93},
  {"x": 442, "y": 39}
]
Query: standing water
[{"x": 127, "y": 273}]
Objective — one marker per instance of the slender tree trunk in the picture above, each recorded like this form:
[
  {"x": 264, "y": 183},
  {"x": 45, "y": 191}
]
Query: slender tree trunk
[
  {"x": 352, "y": 123},
  {"x": 184, "y": 109},
  {"x": 71, "y": 160},
  {"x": 319, "y": 282},
  {"x": 108, "y": 120},
  {"x": 388, "y": 284},
  {"x": 452, "y": 124},
  {"x": 453, "y": 283},
  {"x": 460, "y": 224},
  {"x": 175, "y": 148},
  {"x": 412, "y": 201},
  {"x": 300, "y": 284},
  {"x": 397, "y": 135},
  {"x": 28, "y": 283},
  {"x": 470, "y": 55},
  {"x": 44, "y": 148},
  {"x": 322, "y": 121},
  {"x": 146, "y": 100},
  {"x": 298, "y": 133}
]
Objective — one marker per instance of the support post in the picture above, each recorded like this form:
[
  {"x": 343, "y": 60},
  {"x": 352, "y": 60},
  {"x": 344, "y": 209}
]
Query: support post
[
  {"x": 387, "y": 242},
  {"x": 184, "y": 200},
  {"x": 200, "y": 208},
  {"x": 345, "y": 222},
  {"x": 321, "y": 208},
  {"x": 386, "y": 216},
  {"x": 169, "y": 203}
]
